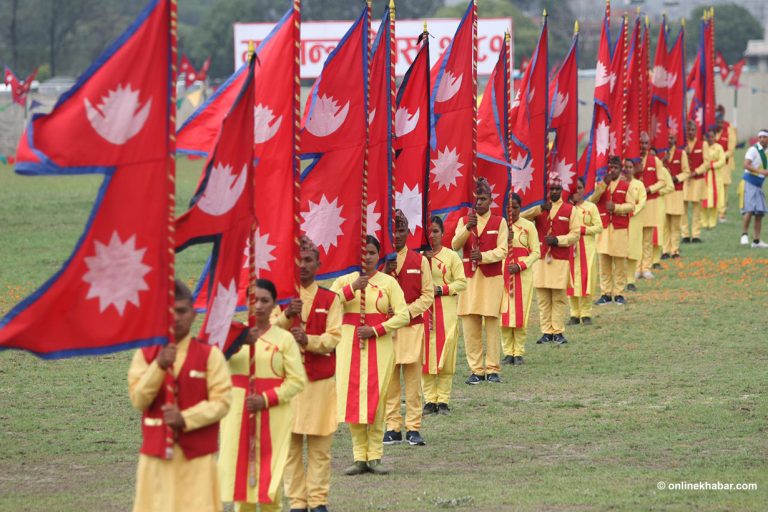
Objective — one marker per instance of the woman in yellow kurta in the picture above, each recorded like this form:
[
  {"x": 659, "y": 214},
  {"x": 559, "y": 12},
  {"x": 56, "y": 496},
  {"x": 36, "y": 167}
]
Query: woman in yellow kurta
[
  {"x": 522, "y": 252},
  {"x": 639, "y": 196},
  {"x": 714, "y": 193},
  {"x": 583, "y": 259},
  {"x": 440, "y": 354},
  {"x": 365, "y": 356},
  {"x": 267, "y": 373}
]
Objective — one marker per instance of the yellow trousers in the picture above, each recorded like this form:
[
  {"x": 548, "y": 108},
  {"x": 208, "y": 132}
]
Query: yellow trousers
[
  {"x": 709, "y": 217},
  {"x": 275, "y": 506},
  {"x": 437, "y": 387},
  {"x": 695, "y": 225},
  {"x": 647, "y": 262},
  {"x": 473, "y": 343},
  {"x": 672, "y": 234},
  {"x": 656, "y": 254},
  {"x": 724, "y": 200},
  {"x": 613, "y": 274},
  {"x": 581, "y": 307},
  {"x": 308, "y": 488},
  {"x": 633, "y": 266},
  {"x": 412, "y": 380},
  {"x": 552, "y": 309},
  {"x": 368, "y": 439},
  {"x": 513, "y": 340}
]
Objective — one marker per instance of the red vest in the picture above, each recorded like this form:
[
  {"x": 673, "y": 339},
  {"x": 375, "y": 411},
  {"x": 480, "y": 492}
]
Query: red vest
[
  {"x": 319, "y": 366},
  {"x": 558, "y": 226},
  {"x": 650, "y": 175},
  {"x": 696, "y": 158},
  {"x": 409, "y": 279},
  {"x": 723, "y": 140},
  {"x": 191, "y": 388},
  {"x": 675, "y": 166},
  {"x": 486, "y": 242}
]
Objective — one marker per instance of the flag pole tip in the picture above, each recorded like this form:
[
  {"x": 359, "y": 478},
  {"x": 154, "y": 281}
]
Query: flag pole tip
[
  {"x": 251, "y": 49},
  {"x": 637, "y": 11},
  {"x": 392, "y": 5},
  {"x": 575, "y": 27},
  {"x": 544, "y": 14},
  {"x": 425, "y": 25}
]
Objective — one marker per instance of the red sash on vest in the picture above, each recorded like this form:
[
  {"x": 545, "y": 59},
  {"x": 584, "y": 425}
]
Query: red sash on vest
[
  {"x": 513, "y": 283},
  {"x": 352, "y": 413},
  {"x": 675, "y": 166},
  {"x": 696, "y": 158},
  {"x": 409, "y": 279},
  {"x": 191, "y": 388},
  {"x": 319, "y": 366},
  {"x": 486, "y": 242},
  {"x": 559, "y": 226},
  {"x": 650, "y": 175}
]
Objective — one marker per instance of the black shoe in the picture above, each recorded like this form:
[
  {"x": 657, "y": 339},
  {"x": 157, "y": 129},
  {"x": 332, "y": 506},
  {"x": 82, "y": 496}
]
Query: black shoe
[
  {"x": 656, "y": 266},
  {"x": 559, "y": 339},
  {"x": 305, "y": 510},
  {"x": 474, "y": 379},
  {"x": 620, "y": 300},
  {"x": 392, "y": 437},
  {"x": 686, "y": 240},
  {"x": 695, "y": 240},
  {"x": 675, "y": 256},
  {"x": 321, "y": 508},
  {"x": 545, "y": 338},
  {"x": 586, "y": 321},
  {"x": 665, "y": 256},
  {"x": 414, "y": 438},
  {"x": 429, "y": 408},
  {"x": 573, "y": 321},
  {"x": 508, "y": 360},
  {"x": 631, "y": 287},
  {"x": 604, "y": 299},
  {"x": 518, "y": 360},
  {"x": 493, "y": 378},
  {"x": 443, "y": 409}
]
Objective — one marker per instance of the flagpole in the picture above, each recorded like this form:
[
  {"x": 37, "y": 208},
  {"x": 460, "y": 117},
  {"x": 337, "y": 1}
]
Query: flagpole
[
  {"x": 170, "y": 381},
  {"x": 682, "y": 138},
  {"x": 364, "y": 210},
  {"x": 624, "y": 85},
  {"x": 475, "y": 237},
  {"x": 425, "y": 213},
  {"x": 297, "y": 148},
  {"x": 392, "y": 114}
]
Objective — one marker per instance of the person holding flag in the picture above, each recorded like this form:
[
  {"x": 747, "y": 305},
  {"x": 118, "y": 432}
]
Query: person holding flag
[
  {"x": 482, "y": 238},
  {"x": 267, "y": 373},
  {"x": 413, "y": 274},
  {"x": 203, "y": 393},
  {"x": 523, "y": 251},
  {"x": 365, "y": 357},
  {"x": 443, "y": 331},
  {"x": 676, "y": 161},
  {"x": 631, "y": 174},
  {"x": 725, "y": 135},
  {"x": 694, "y": 189},
  {"x": 752, "y": 195},
  {"x": 314, "y": 319},
  {"x": 583, "y": 258},
  {"x": 714, "y": 188},
  {"x": 652, "y": 174}
]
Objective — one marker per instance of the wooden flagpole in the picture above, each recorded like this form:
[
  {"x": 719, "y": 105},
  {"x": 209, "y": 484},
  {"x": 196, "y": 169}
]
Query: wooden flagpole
[
  {"x": 297, "y": 147},
  {"x": 364, "y": 210}
]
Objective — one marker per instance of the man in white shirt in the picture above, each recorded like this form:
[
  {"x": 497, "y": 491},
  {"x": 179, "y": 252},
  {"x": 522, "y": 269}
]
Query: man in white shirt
[{"x": 752, "y": 195}]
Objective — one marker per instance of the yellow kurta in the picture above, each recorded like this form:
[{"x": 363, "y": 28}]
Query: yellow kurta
[
  {"x": 694, "y": 190},
  {"x": 180, "y": 484},
  {"x": 713, "y": 194},
  {"x": 276, "y": 356},
  {"x": 638, "y": 196},
  {"x": 314, "y": 409},
  {"x": 524, "y": 236},
  {"x": 381, "y": 294},
  {"x": 591, "y": 226},
  {"x": 447, "y": 272},
  {"x": 409, "y": 340},
  {"x": 483, "y": 294},
  {"x": 673, "y": 202},
  {"x": 552, "y": 273},
  {"x": 726, "y": 171},
  {"x": 652, "y": 215},
  {"x": 611, "y": 241}
]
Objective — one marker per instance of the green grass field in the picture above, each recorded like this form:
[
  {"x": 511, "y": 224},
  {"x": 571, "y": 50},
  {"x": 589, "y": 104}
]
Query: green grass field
[{"x": 670, "y": 388}]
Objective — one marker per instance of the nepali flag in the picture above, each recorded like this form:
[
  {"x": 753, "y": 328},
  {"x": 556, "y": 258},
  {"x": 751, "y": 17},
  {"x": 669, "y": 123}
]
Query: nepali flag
[
  {"x": 381, "y": 123},
  {"x": 412, "y": 147},
  {"x": 702, "y": 107},
  {"x": 663, "y": 78},
  {"x": 190, "y": 74},
  {"x": 274, "y": 86},
  {"x": 115, "y": 292},
  {"x": 636, "y": 98},
  {"x": 616, "y": 146},
  {"x": 676, "y": 114},
  {"x": 333, "y": 139},
  {"x": 593, "y": 163},
  {"x": 528, "y": 128},
  {"x": 222, "y": 211},
  {"x": 19, "y": 89},
  {"x": 722, "y": 64},
  {"x": 493, "y": 132},
  {"x": 564, "y": 112},
  {"x": 453, "y": 105},
  {"x": 735, "y": 79}
]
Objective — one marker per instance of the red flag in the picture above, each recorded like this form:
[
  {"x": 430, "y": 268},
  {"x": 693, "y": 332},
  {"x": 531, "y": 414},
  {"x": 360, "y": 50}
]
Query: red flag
[
  {"x": 223, "y": 211},
  {"x": 663, "y": 78},
  {"x": 676, "y": 114},
  {"x": 114, "y": 292},
  {"x": 453, "y": 101},
  {"x": 528, "y": 128},
  {"x": 702, "y": 109},
  {"x": 202, "y": 74},
  {"x": 694, "y": 75},
  {"x": 619, "y": 108},
  {"x": 564, "y": 112},
  {"x": 721, "y": 63},
  {"x": 334, "y": 138},
  {"x": 736, "y": 76},
  {"x": 412, "y": 147},
  {"x": 636, "y": 97},
  {"x": 19, "y": 90},
  {"x": 709, "y": 69},
  {"x": 188, "y": 70}
]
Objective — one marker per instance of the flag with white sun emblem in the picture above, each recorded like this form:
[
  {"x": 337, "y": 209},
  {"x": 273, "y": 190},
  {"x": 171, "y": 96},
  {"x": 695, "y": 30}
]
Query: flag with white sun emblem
[
  {"x": 564, "y": 120},
  {"x": 114, "y": 292},
  {"x": 333, "y": 139},
  {"x": 676, "y": 89}
]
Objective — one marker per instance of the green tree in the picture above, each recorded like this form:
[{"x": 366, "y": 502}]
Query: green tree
[{"x": 734, "y": 26}]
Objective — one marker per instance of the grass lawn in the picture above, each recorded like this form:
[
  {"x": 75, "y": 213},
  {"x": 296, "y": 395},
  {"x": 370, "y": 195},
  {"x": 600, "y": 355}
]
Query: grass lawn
[{"x": 670, "y": 388}]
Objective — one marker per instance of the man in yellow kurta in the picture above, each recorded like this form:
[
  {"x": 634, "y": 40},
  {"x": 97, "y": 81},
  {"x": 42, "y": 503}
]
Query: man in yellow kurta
[
  {"x": 676, "y": 162},
  {"x": 188, "y": 480},
  {"x": 365, "y": 358},
  {"x": 559, "y": 228},
  {"x": 583, "y": 258},
  {"x": 315, "y": 322},
  {"x": 267, "y": 373},
  {"x": 726, "y": 137},
  {"x": 714, "y": 191},
  {"x": 652, "y": 216},
  {"x": 522, "y": 254},
  {"x": 694, "y": 189},
  {"x": 636, "y": 192},
  {"x": 615, "y": 205},
  {"x": 414, "y": 276},
  {"x": 482, "y": 238}
]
